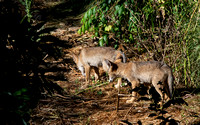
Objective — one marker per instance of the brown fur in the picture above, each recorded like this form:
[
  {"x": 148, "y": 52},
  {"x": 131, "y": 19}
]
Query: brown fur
[
  {"x": 154, "y": 72},
  {"x": 92, "y": 57}
]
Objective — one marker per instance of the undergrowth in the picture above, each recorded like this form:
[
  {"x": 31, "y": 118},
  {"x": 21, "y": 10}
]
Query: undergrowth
[{"x": 167, "y": 30}]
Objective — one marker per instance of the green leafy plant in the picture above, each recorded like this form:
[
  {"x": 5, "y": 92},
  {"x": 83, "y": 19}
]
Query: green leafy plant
[
  {"x": 165, "y": 30},
  {"x": 19, "y": 100},
  {"x": 99, "y": 92},
  {"x": 27, "y": 5},
  {"x": 121, "y": 20}
]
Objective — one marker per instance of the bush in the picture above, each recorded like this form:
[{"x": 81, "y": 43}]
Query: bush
[{"x": 166, "y": 30}]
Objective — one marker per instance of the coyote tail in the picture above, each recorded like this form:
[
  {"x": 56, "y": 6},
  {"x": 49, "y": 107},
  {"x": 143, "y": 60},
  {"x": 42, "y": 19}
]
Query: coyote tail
[
  {"x": 124, "y": 57},
  {"x": 170, "y": 82}
]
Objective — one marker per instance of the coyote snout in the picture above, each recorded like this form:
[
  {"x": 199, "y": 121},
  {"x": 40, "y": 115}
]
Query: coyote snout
[
  {"x": 111, "y": 79},
  {"x": 92, "y": 58},
  {"x": 154, "y": 72},
  {"x": 109, "y": 67}
]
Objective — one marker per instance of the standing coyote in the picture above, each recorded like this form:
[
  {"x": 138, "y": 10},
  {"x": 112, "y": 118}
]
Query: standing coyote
[
  {"x": 154, "y": 72},
  {"x": 92, "y": 57}
]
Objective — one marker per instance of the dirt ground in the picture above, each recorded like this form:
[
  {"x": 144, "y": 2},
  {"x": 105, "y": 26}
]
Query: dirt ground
[{"x": 96, "y": 105}]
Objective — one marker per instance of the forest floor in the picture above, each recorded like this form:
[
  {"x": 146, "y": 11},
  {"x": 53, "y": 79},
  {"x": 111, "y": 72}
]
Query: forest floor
[{"x": 96, "y": 105}]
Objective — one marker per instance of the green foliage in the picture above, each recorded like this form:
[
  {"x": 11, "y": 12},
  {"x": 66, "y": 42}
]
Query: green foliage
[
  {"x": 122, "y": 20},
  {"x": 23, "y": 98},
  {"x": 99, "y": 92},
  {"x": 167, "y": 30},
  {"x": 192, "y": 52},
  {"x": 27, "y": 5},
  {"x": 187, "y": 24}
]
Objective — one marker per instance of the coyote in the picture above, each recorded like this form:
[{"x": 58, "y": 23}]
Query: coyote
[
  {"x": 92, "y": 57},
  {"x": 157, "y": 73}
]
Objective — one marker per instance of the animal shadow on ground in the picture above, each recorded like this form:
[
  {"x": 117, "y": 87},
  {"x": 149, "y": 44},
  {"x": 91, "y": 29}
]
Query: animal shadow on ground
[{"x": 159, "y": 111}]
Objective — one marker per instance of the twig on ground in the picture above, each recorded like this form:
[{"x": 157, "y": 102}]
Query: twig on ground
[
  {"x": 129, "y": 111},
  {"x": 93, "y": 87}
]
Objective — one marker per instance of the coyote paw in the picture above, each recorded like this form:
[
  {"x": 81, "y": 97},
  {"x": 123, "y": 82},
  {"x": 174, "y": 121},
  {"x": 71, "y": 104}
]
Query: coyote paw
[
  {"x": 160, "y": 103},
  {"x": 130, "y": 100},
  {"x": 117, "y": 86},
  {"x": 120, "y": 85}
]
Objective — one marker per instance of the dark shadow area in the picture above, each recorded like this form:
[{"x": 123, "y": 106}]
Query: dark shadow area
[
  {"x": 182, "y": 91},
  {"x": 23, "y": 50},
  {"x": 126, "y": 122},
  {"x": 168, "y": 120},
  {"x": 143, "y": 91},
  {"x": 64, "y": 9},
  {"x": 176, "y": 102},
  {"x": 160, "y": 111},
  {"x": 155, "y": 97}
]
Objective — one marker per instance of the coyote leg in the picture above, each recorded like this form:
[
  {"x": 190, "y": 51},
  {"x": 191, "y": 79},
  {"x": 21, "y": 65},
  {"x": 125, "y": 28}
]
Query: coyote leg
[
  {"x": 159, "y": 88},
  {"x": 167, "y": 94},
  {"x": 148, "y": 89},
  {"x": 134, "y": 94},
  {"x": 87, "y": 72},
  {"x": 119, "y": 82},
  {"x": 96, "y": 73}
]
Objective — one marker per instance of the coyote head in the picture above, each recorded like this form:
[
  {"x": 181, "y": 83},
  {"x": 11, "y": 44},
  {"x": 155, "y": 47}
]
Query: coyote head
[
  {"x": 78, "y": 63},
  {"x": 111, "y": 68}
]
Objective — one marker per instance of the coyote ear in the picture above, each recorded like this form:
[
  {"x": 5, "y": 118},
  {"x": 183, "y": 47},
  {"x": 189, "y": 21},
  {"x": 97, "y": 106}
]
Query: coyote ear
[
  {"x": 118, "y": 58},
  {"x": 106, "y": 64}
]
